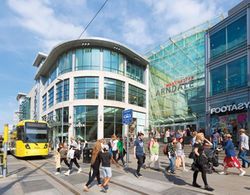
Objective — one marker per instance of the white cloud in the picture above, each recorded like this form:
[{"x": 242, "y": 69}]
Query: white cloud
[
  {"x": 135, "y": 32},
  {"x": 181, "y": 15},
  {"x": 40, "y": 19}
]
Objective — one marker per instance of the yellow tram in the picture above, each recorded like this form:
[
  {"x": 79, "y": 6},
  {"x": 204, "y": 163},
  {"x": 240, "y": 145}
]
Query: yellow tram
[{"x": 29, "y": 138}]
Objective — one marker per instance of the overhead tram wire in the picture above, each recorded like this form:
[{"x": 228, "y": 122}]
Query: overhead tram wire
[{"x": 93, "y": 18}]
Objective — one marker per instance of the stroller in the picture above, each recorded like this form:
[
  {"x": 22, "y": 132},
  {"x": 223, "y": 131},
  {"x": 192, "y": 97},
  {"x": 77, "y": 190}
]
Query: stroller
[{"x": 213, "y": 159}]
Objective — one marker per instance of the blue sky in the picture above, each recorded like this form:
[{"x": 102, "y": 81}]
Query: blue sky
[{"x": 30, "y": 26}]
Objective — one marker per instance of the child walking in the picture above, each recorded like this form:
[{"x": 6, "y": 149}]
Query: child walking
[{"x": 107, "y": 172}]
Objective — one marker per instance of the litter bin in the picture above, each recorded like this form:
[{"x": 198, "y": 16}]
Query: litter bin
[{"x": 87, "y": 154}]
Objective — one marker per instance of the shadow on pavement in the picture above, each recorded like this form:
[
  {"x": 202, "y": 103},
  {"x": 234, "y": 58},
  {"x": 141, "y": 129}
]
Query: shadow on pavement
[
  {"x": 130, "y": 170},
  {"x": 174, "y": 179},
  {"x": 247, "y": 188}
]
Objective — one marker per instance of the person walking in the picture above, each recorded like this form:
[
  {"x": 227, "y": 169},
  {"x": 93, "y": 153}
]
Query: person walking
[
  {"x": 105, "y": 157},
  {"x": 154, "y": 153},
  {"x": 171, "y": 152},
  {"x": 215, "y": 139},
  {"x": 57, "y": 160},
  {"x": 180, "y": 153},
  {"x": 243, "y": 148},
  {"x": 61, "y": 155},
  {"x": 200, "y": 163},
  {"x": 114, "y": 142},
  {"x": 230, "y": 159},
  {"x": 139, "y": 153},
  {"x": 121, "y": 150},
  {"x": 72, "y": 156},
  {"x": 167, "y": 136},
  {"x": 95, "y": 165}
]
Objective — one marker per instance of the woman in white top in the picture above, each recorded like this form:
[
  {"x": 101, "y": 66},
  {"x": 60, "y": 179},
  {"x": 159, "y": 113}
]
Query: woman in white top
[
  {"x": 180, "y": 153},
  {"x": 114, "y": 147}
]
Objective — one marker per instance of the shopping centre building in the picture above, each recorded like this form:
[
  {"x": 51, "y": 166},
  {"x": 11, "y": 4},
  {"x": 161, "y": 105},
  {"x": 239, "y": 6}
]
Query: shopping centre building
[
  {"x": 83, "y": 86},
  {"x": 177, "y": 80},
  {"x": 228, "y": 70}
]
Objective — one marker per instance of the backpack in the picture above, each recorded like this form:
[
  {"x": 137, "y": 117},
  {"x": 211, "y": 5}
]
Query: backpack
[{"x": 165, "y": 149}]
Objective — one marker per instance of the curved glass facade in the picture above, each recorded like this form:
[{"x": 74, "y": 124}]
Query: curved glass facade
[
  {"x": 87, "y": 59},
  {"x": 113, "y": 62},
  {"x": 86, "y": 113},
  {"x": 65, "y": 63},
  {"x": 114, "y": 90},
  {"x": 86, "y": 88},
  {"x": 92, "y": 59}
]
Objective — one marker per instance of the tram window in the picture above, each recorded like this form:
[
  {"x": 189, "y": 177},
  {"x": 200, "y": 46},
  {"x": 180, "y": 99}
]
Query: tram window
[{"x": 20, "y": 133}]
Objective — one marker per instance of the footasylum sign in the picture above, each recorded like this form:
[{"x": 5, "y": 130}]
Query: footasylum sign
[{"x": 230, "y": 108}]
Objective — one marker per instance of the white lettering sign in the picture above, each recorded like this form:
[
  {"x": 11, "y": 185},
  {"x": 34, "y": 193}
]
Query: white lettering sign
[{"x": 230, "y": 108}]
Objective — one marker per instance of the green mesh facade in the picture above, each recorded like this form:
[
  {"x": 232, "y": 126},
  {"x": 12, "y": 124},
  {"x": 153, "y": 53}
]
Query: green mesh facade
[{"x": 177, "y": 79}]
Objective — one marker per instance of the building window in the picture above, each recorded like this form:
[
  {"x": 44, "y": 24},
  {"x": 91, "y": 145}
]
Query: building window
[
  {"x": 135, "y": 72},
  {"x": 65, "y": 63},
  {"x": 65, "y": 115},
  {"x": 85, "y": 122},
  {"x": 114, "y": 90},
  {"x": 218, "y": 80},
  {"x": 112, "y": 121},
  {"x": 45, "y": 102},
  {"x": 228, "y": 38},
  {"x": 62, "y": 88},
  {"x": 52, "y": 75},
  {"x": 229, "y": 76},
  {"x": 113, "y": 62},
  {"x": 86, "y": 87},
  {"x": 218, "y": 43},
  {"x": 237, "y": 73},
  {"x": 87, "y": 59},
  {"x": 137, "y": 96},
  {"x": 237, "y": 33},
  {"x": 51, "y": 97}
]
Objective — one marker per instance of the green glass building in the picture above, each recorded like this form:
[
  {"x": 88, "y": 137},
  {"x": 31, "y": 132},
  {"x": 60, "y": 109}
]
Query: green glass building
[{"x": 177, "y": 80}]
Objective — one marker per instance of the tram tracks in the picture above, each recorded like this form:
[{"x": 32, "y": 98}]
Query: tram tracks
[
  {"x": 72, "y": 188},
  {"x": 60, "y": 181}
]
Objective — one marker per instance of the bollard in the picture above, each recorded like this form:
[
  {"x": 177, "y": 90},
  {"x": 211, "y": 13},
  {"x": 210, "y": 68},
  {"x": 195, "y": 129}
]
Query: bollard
[{"x": 5, "y": 144}]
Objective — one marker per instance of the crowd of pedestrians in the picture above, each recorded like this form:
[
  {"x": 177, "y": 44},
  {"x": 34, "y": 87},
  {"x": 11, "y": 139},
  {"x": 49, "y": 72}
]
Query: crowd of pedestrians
[{"x": 108, "y": 152}]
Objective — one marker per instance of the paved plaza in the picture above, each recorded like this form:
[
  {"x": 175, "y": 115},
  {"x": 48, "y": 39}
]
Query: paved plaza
[{"x": 36, "y": 176}]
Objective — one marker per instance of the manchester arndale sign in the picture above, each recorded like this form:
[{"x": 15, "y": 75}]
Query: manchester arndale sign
[
  {"x": 230, "y": 108},
  {"x": 176, "y": 86}
]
